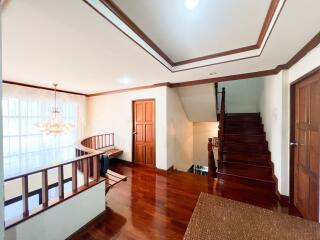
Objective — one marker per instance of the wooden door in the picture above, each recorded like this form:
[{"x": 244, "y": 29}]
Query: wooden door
[
  {"x": 306, "y": 152},
  {"x": 143, "y": 132}
]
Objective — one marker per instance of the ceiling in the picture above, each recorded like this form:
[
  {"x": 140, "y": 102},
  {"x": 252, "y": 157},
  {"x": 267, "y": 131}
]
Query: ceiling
[
  {"x": 199, "y": 102},
  {"x": 89, "y": 50},
  {"x": 209, "y": 28}
]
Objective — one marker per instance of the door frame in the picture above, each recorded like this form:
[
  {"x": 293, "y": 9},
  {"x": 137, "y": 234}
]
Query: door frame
[
  {"x": 154, "y": 131},
  {"x": 292, "y": 128}
]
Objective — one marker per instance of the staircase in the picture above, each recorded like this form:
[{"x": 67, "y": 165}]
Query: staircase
[{"x": 245, "y": 154}]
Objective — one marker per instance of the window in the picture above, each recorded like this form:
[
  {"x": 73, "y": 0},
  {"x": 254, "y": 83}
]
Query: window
[{"x": 24, "y": 147}]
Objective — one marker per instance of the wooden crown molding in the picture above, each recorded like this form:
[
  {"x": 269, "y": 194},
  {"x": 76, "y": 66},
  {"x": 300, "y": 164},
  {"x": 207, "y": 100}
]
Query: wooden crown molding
[
  {"x": 167, "y": 84},
  {"x": 113, "y": 7},
  {"x": 314, "y": 42},
  {"x": 43, "y": 88}
]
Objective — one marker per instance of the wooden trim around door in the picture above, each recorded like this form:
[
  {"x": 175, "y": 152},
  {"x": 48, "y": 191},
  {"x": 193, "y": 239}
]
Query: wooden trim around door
[
  {"x": 154, "y": 130},
  {"x": 292, "y": 128}
]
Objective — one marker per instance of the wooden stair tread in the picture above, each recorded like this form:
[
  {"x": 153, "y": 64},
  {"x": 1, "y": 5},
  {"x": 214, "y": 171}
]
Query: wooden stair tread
[{"x": 249, "y": 172}]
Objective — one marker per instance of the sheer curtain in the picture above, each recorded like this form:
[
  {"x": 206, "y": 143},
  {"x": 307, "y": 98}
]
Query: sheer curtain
[{"x": 24, "y": 147}]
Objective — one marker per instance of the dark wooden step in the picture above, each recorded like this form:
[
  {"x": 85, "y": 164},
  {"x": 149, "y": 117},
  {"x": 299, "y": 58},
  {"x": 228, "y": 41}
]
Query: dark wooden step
[
  {"x": 246, "y": 156},
  {"x": 253, "y": 175},
  {"x": 249, "y": 164},
  {"x": 245, "y": 147},
  {"x": 243, "y": 114},
  {"x": 241, "y": 138},
  {"x": 244, "y": 131}
]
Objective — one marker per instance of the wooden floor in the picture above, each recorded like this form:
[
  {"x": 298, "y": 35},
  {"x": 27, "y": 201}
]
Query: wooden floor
[{"x": 156, "y": 205}]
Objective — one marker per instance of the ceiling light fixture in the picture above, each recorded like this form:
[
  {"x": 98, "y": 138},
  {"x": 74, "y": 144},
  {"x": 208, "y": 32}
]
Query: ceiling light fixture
[
  {"x": 191, "y": 4},
  {"x": 54, "y": 125}
]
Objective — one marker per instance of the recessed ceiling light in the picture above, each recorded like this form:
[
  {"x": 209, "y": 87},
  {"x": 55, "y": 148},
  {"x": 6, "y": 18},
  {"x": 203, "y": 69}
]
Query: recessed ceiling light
[
  {"x": 191, "y": 4},
  {"x": 125, "y": 80}
]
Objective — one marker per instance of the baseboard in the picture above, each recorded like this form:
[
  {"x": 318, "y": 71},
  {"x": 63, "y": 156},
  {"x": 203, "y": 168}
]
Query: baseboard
[
  {"x": 283, "y": 199},
  {"x": 85, "y": 226},
  {"x": 118, "y": 160},
  {"x": 169, "y": 170}
]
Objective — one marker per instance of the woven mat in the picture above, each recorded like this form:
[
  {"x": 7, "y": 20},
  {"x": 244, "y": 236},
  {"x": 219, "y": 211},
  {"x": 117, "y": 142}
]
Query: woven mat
[{"x": 220, "y": 218}]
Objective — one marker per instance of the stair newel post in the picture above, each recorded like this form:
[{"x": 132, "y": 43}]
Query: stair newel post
[
  {"x": 221, "y": 128},
  {"x": 211, "y": 163}
]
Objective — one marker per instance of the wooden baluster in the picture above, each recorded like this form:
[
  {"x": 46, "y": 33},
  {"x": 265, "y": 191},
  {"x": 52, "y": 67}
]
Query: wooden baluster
[
  {"x": 25, "y": 193},
  {"x": 74, "y": 177},
  {"x": 112, "y": 139},
  {"x": 85, "y": 172},
  {"x": 96, "y": 168},
  {"x": 89, "y": 166},
  {"x": 211, "y": 163},
  {"x": 45, "y": 189},
  {"x": 60, "y": 182}
]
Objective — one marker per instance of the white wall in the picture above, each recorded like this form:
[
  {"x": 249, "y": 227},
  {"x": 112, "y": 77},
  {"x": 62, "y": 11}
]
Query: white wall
[
  {"x": 180, "y": 133},
  {"x": 1, "y": 146},
  {"x": 201, "y": 132},
  {"x": 275, "y": 106},
  {"x": 271, "y": 112},
  {"x": 113, "y": 113},
  {"x": 241, "y": 95},
  {"x": 59, "y": 222},
  {"x": 199, "y": 102}
]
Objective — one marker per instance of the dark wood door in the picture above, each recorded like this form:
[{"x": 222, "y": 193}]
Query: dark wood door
[
  {"x": 306, "y": 153},
  {"x": 143, "y": 132}
]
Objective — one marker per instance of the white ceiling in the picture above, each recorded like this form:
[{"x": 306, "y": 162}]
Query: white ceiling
[
  {"x": 68, "y": 42},
  {"x": 209, "y": 28}
]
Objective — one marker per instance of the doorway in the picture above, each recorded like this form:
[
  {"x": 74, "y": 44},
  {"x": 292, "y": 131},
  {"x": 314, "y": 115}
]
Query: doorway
[
  {"x": 305, "y": 145},
  {"x": 144, "y": 132}
]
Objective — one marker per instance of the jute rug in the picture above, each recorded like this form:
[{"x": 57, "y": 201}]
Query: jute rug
[{"x": 220, "y": 218}]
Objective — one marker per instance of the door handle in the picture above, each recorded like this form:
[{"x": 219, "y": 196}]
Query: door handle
[
  {"x": 294, "y": 144},
  {"x": 134, "y": 133}
]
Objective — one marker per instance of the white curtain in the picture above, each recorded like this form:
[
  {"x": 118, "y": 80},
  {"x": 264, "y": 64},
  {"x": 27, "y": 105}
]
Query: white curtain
[{"x": 24, "y": 147}]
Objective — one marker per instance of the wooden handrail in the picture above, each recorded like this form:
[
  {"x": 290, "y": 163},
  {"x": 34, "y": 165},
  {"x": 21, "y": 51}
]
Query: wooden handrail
[
  {"x": 211, "y": 162},
  {"x": 221, "y": 128},
  {"x": 88, "y": 151},
  {"x": 216, "y": 93}
]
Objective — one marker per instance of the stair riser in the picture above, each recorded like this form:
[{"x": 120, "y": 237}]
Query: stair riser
[
  {"x": 262, "y": 164},
  {"x": 268, "y": 185},
  {"x": 252, "y": 157},
  {"x": 244, "y": 131},
  {"x": 242, "y": 122},
  {"x": 245, "y": 148},
  {"x": 263, "y": 171},
  {"x": 244, "y": 139}
]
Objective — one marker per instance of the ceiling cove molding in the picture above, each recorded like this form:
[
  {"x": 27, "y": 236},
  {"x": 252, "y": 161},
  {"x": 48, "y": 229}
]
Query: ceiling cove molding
[
  {"x": 111, "y": 12},
  {"x": 43, "y": 88},
  {"x": 314, "y": 42}
]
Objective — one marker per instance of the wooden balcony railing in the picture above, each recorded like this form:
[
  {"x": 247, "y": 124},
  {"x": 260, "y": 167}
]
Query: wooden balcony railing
[{"x": 87, "y": 158}]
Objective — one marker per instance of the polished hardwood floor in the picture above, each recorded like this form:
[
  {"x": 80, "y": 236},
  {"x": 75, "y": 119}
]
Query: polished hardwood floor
[{"x": 158, "y": 205}]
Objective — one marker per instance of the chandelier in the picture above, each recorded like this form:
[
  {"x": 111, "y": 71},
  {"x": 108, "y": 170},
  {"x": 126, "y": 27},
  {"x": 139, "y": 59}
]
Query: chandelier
[{"x": 55, "y": 124}]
